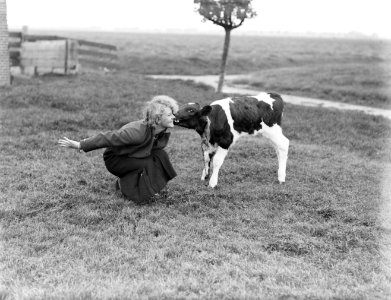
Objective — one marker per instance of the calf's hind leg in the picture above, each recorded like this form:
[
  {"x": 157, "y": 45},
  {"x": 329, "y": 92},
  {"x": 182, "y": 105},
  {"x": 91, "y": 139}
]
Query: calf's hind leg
[{"x": 281, "y": 145}]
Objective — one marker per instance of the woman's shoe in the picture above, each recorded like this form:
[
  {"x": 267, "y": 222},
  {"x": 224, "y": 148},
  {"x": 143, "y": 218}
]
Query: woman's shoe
[{"x": 117, "y": 185}]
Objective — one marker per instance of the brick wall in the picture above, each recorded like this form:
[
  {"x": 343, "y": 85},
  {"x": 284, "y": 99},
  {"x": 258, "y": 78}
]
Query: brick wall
[{"x": 4, "y": 54}]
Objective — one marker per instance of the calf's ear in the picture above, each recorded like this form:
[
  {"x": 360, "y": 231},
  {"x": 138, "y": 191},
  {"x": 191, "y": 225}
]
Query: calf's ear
[{"x": 206, "y": 110}]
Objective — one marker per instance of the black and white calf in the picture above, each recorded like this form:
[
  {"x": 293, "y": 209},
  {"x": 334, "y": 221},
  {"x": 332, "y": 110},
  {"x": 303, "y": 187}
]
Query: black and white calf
[{"x": 223, "y": 122}]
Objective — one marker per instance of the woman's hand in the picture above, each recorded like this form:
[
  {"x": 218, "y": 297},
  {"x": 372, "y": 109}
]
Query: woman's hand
[{"x": 65, "y": 142}]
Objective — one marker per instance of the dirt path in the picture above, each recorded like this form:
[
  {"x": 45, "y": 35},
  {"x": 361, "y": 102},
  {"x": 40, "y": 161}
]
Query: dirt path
[{"x": 296, "y": 100}]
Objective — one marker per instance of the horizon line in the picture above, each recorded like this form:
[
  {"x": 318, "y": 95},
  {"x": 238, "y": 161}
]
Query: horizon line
[{"x": 350, "y": 34}]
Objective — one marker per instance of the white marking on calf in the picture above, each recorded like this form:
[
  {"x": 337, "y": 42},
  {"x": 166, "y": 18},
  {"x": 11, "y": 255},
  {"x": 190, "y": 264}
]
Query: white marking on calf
[
  {"x": 224, "y": 103},
  {"x": 265, "y": 97}
]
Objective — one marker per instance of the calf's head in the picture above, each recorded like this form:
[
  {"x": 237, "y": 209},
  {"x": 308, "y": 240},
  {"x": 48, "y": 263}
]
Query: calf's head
[{"x": 191, "y": 115}]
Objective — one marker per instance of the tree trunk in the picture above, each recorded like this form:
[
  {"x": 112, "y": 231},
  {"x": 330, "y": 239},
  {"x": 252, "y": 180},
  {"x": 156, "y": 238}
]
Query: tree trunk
[
  {"x": 4, "y": 53},
  {"x": 224, "y": 59}
]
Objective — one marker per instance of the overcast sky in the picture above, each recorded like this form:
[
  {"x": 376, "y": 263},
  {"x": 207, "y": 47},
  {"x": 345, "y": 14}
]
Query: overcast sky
[{"x": 294, "y": 16}]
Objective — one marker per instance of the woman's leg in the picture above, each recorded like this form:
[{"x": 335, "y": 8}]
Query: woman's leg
[
  {"x": 156, "y": 170},
  {"x": 122, "y": 165}
]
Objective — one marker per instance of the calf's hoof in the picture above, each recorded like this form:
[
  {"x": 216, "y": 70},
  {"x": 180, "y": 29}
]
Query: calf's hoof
[
  {"x": 212, "y": 184},
  {"x": 204, "y": 178}
]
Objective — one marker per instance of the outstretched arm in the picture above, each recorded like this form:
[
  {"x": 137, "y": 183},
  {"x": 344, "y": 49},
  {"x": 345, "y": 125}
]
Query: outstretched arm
[{"x": 65, "y": 142}]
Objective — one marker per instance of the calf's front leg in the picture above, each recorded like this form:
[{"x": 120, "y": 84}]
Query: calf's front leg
[
  {"x": 217, "y": 161},
  {"x": 205, "y": 171},
  {"x": 206, "y": 155}
]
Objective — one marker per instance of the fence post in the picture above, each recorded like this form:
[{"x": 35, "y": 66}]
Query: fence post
[
  {"x": 5, "y": 74},
  {"x": 24, "y": 32},
  {"x": 66, "y": 57}
]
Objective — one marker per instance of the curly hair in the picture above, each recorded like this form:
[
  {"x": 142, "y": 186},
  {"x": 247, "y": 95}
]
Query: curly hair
[{"x": 155, "y": 108}]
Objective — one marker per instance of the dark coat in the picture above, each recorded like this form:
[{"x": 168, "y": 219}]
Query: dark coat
[{"x": 135, "y": 139}]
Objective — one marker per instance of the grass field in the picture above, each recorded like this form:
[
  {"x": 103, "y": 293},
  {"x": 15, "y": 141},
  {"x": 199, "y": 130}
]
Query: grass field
[{"x": 66, "y": 234}]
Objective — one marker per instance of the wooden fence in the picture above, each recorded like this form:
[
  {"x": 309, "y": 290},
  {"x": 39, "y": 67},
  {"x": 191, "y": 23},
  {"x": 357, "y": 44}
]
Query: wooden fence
[
  {"x": 40, "y": 54},
  {"x": 91, "y": 54},
  {"x": 15, "y": 47}
]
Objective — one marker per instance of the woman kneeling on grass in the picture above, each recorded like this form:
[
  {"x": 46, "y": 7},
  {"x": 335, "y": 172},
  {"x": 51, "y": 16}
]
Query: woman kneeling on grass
[{"x": 134, "y": 153}]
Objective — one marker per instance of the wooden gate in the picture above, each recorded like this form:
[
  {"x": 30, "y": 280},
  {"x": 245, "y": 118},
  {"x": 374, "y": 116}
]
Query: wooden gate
[{"x": 41, "y": 54}]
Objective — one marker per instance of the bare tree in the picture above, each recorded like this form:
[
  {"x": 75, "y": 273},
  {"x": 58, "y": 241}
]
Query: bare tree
[
  {"x": 229, "y": 14},
  {"x": 4, "y": 54}
]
